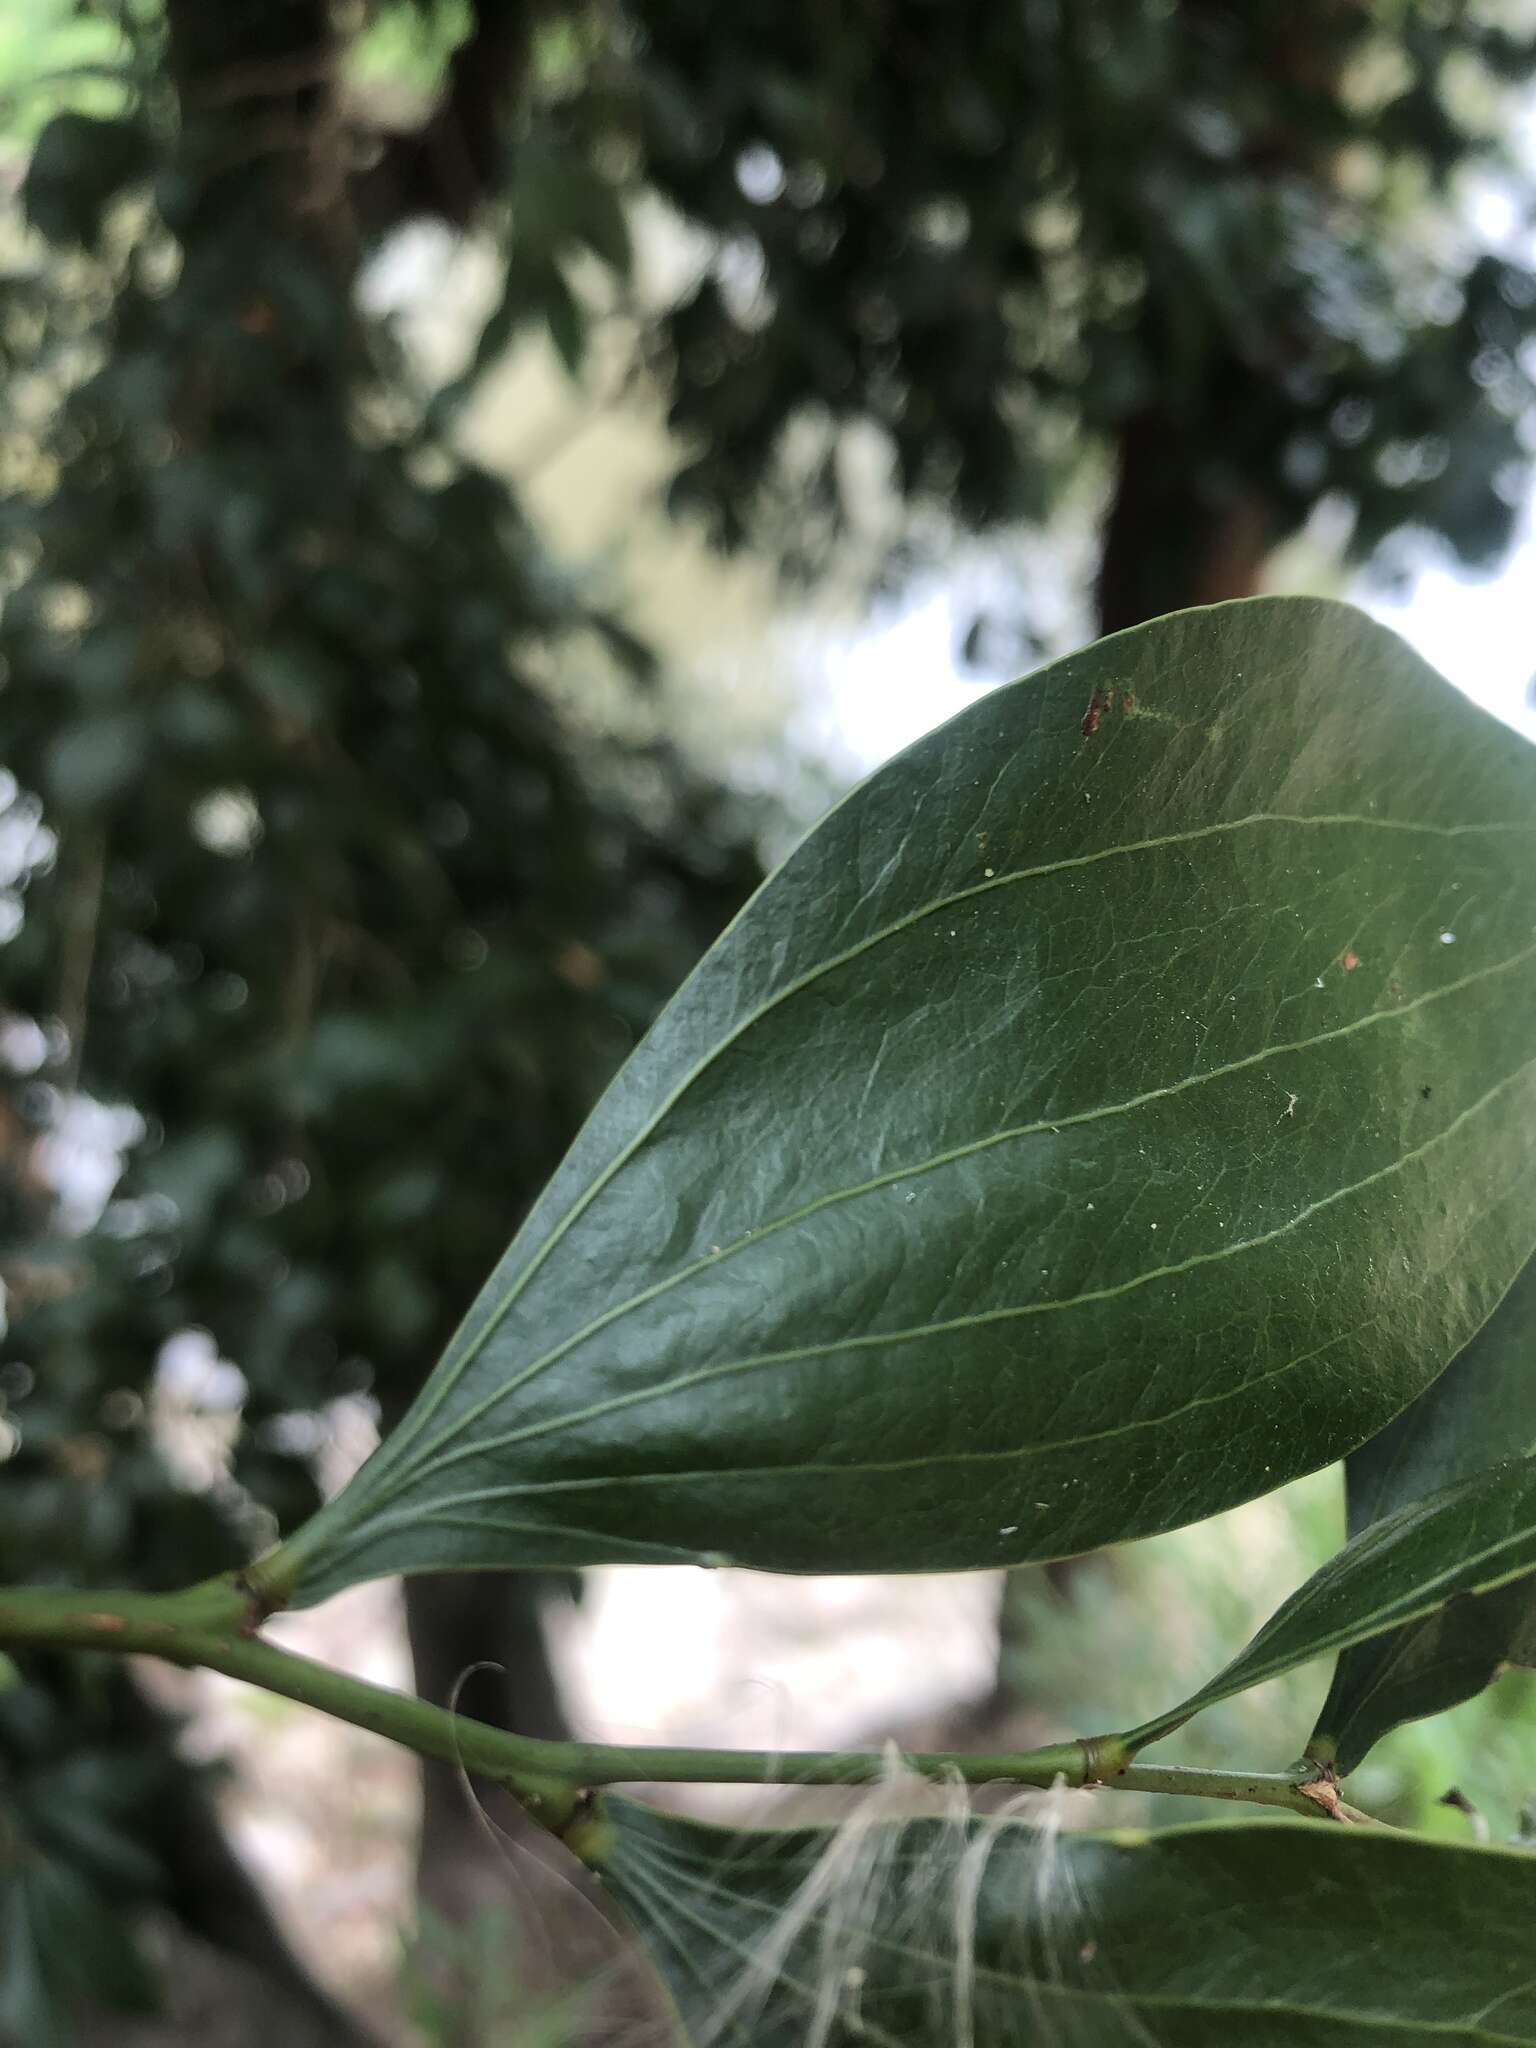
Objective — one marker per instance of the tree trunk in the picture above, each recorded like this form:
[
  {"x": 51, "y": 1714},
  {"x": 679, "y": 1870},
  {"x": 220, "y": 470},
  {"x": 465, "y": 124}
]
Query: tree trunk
[
  {"x": 477, "y": 1645},
  {"x": 1173, "y": 537}
]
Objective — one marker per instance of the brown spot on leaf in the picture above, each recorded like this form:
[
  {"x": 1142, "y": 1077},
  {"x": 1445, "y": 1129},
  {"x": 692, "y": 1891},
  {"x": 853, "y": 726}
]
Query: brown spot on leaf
[{"x": 1349, "y": 960}]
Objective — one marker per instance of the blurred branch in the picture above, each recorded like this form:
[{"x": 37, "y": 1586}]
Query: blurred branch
[
  {"x": 81, "y": 923},
  {"x": 450, "y": 167},
  {"x": 267, "y": 78}
]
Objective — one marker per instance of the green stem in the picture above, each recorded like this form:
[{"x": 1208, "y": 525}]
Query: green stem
[
  {"x": 1256, "y": 1788},
  {"x": 213, "y": 1627},
  {"x": 603, "y": 1764},
  {"x": 1057, "y": 1764}
]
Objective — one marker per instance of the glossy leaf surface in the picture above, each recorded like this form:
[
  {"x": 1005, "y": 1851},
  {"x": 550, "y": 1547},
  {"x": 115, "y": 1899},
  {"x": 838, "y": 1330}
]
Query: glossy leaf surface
[
  {"x": 1272, "y": 1935},
  {"x": 1481, "y": 1410},
  {"x": 1117, "y": 1106},
  {"x": 1465, "y": 1540}
]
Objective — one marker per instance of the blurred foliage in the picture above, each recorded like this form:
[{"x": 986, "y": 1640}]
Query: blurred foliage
[
  {"x": 322, "y": 892},
  {"x": 1009, "y": 240},
  {"x": 466, "y": 1982},
  {"x": 313, "y": 881},
  {"x": 49, "y": 51},
  {"x": 75, "y": 1788}
]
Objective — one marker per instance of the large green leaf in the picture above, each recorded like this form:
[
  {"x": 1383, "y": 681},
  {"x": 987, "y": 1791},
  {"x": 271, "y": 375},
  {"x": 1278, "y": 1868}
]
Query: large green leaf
[
  {"x": 1117, "y": 1106},
  {"x": 989, "y": 1935},
  {"x": 1482, "y": 1409},
  {"x": 1465, "y": 1540}
]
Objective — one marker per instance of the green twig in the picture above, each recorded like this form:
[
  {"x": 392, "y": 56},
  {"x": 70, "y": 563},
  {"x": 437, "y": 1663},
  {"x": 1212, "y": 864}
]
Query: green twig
[{"x": 214, "y": 1627}]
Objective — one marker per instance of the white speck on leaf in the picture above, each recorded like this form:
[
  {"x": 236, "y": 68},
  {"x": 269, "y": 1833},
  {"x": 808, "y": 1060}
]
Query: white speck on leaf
[
  {"x": 1447, "y": 938},
  {"x": 1011, "y": 1530}
]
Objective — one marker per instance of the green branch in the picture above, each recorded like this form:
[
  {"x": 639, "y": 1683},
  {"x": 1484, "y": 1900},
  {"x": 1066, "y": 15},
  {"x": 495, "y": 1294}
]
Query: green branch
[{"x": 213, "y": 1627}]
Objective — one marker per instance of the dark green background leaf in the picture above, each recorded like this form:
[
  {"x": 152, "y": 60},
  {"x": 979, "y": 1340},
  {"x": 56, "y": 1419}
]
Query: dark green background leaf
[
  {"x": 1118, "y": 1106},
  {"x": 1482, "y": 1409},
  {"x": 1434, "y": 1553},
  {"x": 79, "y": 165},
  {"x": 62, "y": 1947},
  {"x": 1275, "y": 1935}
]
